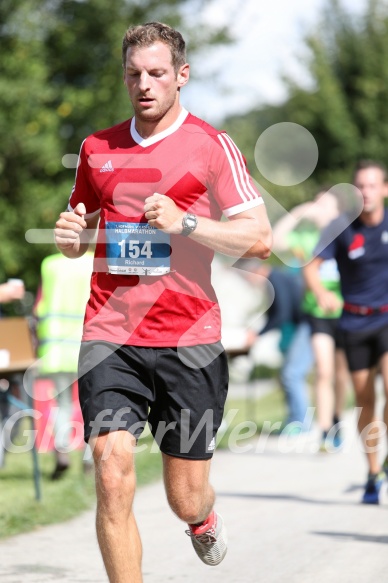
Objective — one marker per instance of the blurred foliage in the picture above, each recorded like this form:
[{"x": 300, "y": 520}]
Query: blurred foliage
[
  {"x": 345, "y": 107},
  {"x": 60, "y": 80}
]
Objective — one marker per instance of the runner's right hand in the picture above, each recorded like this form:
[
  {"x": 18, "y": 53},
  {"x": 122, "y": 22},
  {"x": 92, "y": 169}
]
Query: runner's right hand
[
  {"x": 69, "y": 227},
  {"x": 329, "y": 301}
]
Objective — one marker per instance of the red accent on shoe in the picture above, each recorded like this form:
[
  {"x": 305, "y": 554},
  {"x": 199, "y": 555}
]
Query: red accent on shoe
[{"x": 209, "y": 523}]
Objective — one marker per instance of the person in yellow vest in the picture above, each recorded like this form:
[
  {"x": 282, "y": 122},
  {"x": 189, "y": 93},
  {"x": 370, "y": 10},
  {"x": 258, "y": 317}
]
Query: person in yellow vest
[{"x": 60, "y": 309}]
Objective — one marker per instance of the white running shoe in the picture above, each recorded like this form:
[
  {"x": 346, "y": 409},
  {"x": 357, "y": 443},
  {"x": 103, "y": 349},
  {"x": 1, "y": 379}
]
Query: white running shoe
[{"x": 209, "y": 539}]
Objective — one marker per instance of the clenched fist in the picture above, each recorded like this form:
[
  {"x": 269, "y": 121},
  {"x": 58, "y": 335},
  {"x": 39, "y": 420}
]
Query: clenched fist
[{"x": 162, "y": 212}]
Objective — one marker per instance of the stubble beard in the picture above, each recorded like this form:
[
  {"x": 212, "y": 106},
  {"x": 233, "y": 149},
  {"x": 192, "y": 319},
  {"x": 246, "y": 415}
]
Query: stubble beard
[{"x": 153, "y": 114}]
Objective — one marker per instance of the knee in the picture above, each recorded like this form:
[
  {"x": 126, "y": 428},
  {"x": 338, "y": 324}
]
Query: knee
[
  {"x": 285, "y": 380},
  {"x": 324, "y": 378},
  {"x": 189, "y": 510},
  {"x": 115, "y": 490},
  {"x": 192, "y": 505},
  {"x": 292, "y": 384},
  {"x": 290, "y": 377},
  {"x": 115, "y": 477},
  {"x": 112, "y": 478}
]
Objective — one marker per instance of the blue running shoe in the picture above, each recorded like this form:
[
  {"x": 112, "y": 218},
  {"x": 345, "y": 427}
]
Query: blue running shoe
[
  {"x": 331, "y": 441},
  {"x": 374, "y": 489},
  {"x": 337, "y": 439}
]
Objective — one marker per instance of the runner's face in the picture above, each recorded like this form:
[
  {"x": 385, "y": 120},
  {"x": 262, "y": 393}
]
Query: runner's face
[
  {"x": 152, "y": 83},
  {"x": 370, "y": 181}
]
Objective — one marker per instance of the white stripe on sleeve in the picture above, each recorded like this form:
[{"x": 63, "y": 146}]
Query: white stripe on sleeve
[
  {"x": 237, "y": 166},
  {"x": 242, "y": 168}
]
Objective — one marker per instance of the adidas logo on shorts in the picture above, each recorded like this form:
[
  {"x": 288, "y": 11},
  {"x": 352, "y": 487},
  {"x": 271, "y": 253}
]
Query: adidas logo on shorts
[{"x": 212, "y": 445}]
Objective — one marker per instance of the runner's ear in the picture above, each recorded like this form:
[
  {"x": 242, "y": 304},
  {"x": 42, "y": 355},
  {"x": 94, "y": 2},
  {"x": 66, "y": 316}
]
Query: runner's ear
[{"x": 183, "y": 75}]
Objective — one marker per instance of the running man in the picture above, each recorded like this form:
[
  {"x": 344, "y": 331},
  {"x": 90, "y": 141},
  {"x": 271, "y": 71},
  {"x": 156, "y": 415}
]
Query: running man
[
  {"x": 331, "y": 372},
  {"x": 361, "y": 251},
  {"x": 158, "y": 185}
]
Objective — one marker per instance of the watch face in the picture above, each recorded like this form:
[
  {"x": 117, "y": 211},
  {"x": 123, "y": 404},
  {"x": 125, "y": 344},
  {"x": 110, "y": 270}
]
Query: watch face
[{"x": 189, "y": 224}]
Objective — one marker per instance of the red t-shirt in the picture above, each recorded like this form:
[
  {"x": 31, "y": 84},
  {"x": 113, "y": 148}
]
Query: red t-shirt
[{"x": 150, "y": 288}]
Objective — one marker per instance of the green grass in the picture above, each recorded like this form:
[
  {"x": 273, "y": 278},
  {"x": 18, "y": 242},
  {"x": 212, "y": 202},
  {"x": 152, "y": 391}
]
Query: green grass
[
  {"x": 250, "y": 416},
  {"x": 60, "y": 500}
]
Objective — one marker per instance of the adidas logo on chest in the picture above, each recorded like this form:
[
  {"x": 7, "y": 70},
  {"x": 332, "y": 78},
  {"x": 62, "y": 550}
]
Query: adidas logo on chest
[{"x": 108, "y": 167}]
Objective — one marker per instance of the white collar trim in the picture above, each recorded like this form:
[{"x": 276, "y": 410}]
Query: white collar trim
[{"x": 144, "y": 142}]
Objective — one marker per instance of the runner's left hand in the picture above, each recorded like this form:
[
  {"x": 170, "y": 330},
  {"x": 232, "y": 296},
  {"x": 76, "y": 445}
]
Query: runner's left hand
[{"x": 162, "y": 212}]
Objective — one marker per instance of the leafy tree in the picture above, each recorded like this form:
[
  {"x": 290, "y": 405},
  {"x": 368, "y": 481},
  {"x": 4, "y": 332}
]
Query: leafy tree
[
  {"x": 346, "y": 112},
  {"x": 345, "y": 109},
  {"x": 60, "y": 80},
  {"x": 30, "y": 152}
]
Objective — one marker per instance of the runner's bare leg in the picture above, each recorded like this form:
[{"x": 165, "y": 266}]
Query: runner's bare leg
[
  {"x": 117, "y": 531},
  {"x": 189, "y": 493},
  {"x": 384, "y": 373},
  {"x": 364, "y": 387},
  {"x": 324, "y": 351},
  {"x": 341, "y": 382}
]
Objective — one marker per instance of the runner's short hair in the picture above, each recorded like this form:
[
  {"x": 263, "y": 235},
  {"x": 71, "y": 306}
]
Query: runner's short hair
[
  {"x": 365, "y": 164},
  {"x": 145, "y": 35}
]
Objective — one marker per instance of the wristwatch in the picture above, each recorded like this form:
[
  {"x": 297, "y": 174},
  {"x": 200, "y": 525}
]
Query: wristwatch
[{"x": 189, "y": 224}]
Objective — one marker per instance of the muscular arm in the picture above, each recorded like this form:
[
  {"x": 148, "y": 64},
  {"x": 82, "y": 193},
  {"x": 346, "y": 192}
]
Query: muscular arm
[
  {"x": 73, "y": 232},
  {"x": 246, "y": 234}
]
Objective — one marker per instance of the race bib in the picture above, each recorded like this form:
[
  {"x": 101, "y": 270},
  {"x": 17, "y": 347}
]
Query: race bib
[{"x": 137, "y": 249}]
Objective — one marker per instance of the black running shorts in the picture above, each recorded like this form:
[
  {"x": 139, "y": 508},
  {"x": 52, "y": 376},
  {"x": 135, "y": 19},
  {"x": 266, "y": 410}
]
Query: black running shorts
[
  {"x": 181, "y": 392},
  {"x": 364, "y": 349},
  {"x": 327, "y": 326}
]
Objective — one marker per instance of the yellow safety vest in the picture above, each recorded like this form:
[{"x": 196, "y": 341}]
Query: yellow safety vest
[{"x": 60, "y": 311}]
